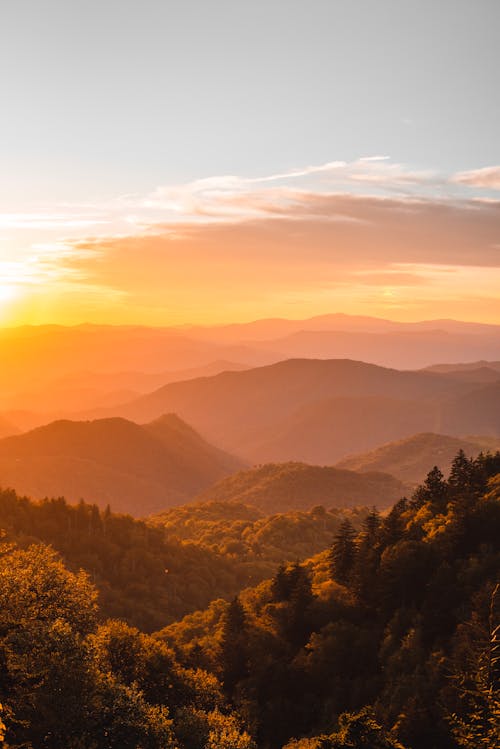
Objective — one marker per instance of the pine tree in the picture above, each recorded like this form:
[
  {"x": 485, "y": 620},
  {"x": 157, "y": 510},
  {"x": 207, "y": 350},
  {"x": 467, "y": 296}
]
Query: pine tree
[
  {"x": 434, "y": 490},
  {"x": 233, "y": 646},
  {"x": 343, "y": 553},
  {"x": 461, "y": 479},
  {"x": 365, "y": 569}
]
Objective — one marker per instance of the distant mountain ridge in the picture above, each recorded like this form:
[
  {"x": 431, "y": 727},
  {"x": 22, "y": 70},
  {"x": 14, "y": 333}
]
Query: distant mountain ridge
[
  {"x": 33, "y": 357},
  {"x": 412, "y": 458},
  {"x": 315, "y": 411},
  {"x": 135, "y": 469}
]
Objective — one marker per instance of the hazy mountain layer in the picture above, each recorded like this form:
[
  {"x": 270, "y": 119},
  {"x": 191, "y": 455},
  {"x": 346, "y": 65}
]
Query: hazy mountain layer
[
  {"x": 280, "y": 412},
  {"x": 34, "y": 359},
  {"x": 135, "y": 469},
  {"x": 411, "y": 459}
]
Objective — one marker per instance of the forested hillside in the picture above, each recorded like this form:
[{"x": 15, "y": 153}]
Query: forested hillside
[
  {"x": 242, "y": 533},
  {"x": 387, "y": 638},
  {"x": 397, "y": 625},
  {"x": 68, "y": 682},
  {"x": 279, "y": 487},
  {"x": 150, "y": 574}
]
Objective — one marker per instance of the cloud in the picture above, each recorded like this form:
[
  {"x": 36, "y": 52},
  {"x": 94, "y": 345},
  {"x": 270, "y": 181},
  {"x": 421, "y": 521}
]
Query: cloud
[
  {"x": 339, "y": 234},
  {"x": 233, "y": 198},
  {"x": 379, "y": 243},
  {"x": 488, "y": 177}
]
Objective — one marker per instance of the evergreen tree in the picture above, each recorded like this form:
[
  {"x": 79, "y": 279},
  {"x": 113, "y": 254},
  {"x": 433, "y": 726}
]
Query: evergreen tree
[
  {"x": 343, "y": 553},
  {"x": 434, "y": 490},
  {"x": 461, "y": 482},
  {"x": 364, "y": 573},
  {"x": 301, "y": 598},
  {"x": 233, "y": 646}
]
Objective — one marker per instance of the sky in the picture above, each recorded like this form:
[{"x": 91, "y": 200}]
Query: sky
[{"x": 205, "y": 162}]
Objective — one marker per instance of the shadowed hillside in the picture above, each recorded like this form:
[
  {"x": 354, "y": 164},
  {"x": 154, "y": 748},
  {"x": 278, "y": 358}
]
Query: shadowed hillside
[
  {"x": 136, "y": 469},
  {"x": 476, "y": 412}
]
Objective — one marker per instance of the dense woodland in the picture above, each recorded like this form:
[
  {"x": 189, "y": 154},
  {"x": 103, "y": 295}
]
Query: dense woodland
[
  {"x": 151, "y": 573},
  {"x": 387, "y": 638}
]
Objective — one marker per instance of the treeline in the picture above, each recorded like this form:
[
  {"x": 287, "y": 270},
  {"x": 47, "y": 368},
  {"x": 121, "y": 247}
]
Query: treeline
[
  {"x": 152, "y": 573},
  {"x": 388, "y": 639}
]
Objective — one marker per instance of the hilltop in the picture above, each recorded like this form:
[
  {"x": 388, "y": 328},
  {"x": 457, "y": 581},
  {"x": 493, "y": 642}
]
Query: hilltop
[
  {"x": 135, "y": 469},
  {"x": 280, "y": 487}
]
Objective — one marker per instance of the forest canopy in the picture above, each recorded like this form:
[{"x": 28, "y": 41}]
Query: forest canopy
[{"x": 388, "y": 637}]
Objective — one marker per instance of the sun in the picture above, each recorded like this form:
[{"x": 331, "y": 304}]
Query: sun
[{"x": 7, "y": 292}]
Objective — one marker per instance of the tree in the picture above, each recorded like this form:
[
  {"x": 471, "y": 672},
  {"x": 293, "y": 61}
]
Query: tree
[
  {"x": 233, "y": 646},
  {"x": 356, "y": 731},
  {"x": 46, "y": 614},
  {"x": 477, "y": 680},
  {"x": 434, "y": 490},
  {"x": 364, "y": 575},
  {"x": 343, "y": 553}
]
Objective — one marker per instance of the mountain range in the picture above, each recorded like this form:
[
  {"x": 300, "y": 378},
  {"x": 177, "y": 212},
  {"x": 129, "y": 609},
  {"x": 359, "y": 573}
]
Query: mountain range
[
  {"x": 55, "y": 370},
  {"x": 320, "y": 411}
]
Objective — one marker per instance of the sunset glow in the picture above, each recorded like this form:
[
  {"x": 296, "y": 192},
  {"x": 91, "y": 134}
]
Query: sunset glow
[
  {"x": 235, "y": 194},
  {"x": 250, "y": 374}
]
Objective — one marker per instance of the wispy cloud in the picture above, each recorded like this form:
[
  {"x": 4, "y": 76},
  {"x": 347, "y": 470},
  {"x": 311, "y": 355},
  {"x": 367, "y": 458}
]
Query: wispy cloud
[
  {"x": 488, "y": 177},
  {"x": 234, "y": 197}
]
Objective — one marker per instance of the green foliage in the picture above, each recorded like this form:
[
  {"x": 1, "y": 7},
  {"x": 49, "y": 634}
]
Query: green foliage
[
  {"x": 2, "y": 727},
  {"x": 389, "y": 636},
  {"x": 244, "y": 535},
  {"x": 69, "y": 683},
  {"x": 153, "y": 573},
  {"x": 475, "y": 673},
  {"x": 402, "y": 651},
  {"x": 212, "y": 730}
]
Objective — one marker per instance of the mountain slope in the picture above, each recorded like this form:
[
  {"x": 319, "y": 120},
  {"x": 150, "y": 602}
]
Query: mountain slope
[
  {"x": 295, "y": 486},
  {"x": 136, "y": 469},
  {"x": 236, "y": 409},
  {"x": 327, "y": 430},
  {"x": 475, "y": 412},
  {"x": 411, "y": 459}
]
